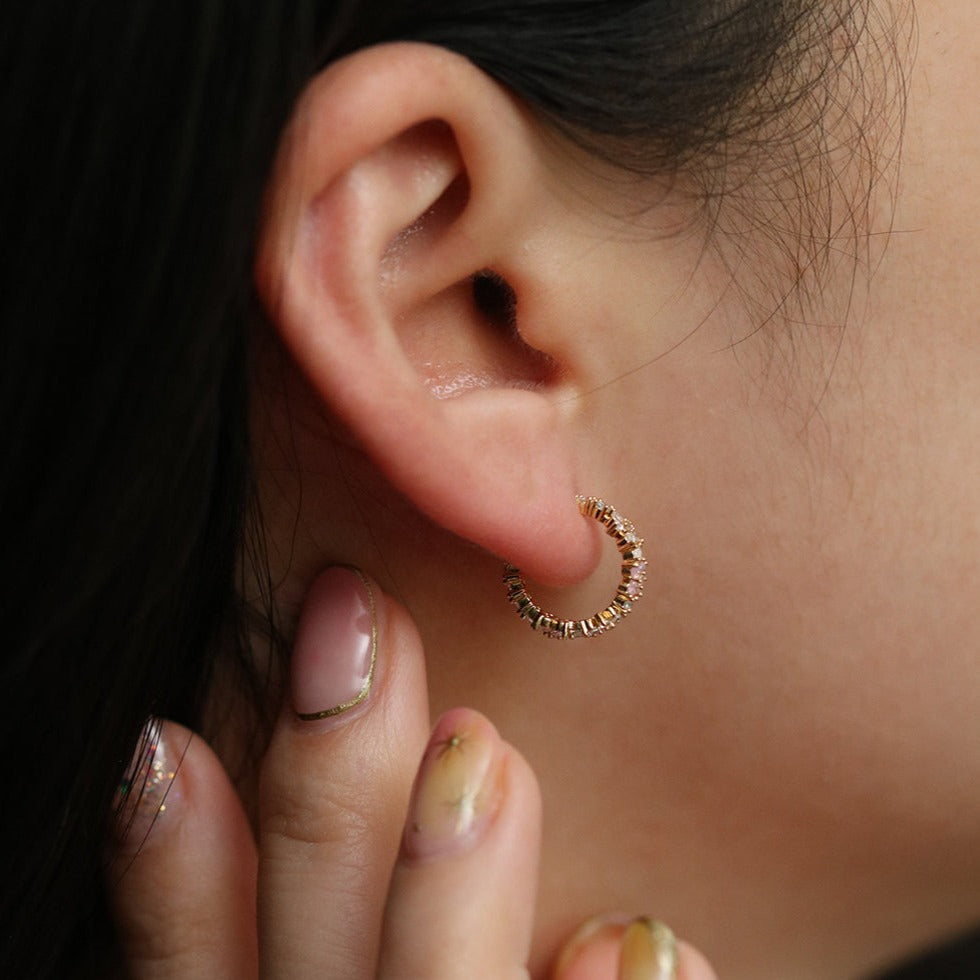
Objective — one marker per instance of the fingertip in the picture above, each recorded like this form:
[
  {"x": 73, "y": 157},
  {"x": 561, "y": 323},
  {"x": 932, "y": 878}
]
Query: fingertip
[
  {"x": 616, "y": 947},
  {"x": 469, "y": 781},
  {"x": 459, "y": 787},
  {"x": 335, "y": 781},
  {"x": 473, "y": 830},
  {"x": 181, "y": 863},
  {"x": 592, "y": 951},
  {"x": 355, "y": 649},
  {"x": 175, "y": 805}
]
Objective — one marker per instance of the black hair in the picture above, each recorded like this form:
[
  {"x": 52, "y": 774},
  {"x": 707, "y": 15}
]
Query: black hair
[{"x": 138, "y": 136}]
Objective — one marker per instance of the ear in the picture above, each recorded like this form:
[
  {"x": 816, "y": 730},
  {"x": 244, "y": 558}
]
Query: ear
[{"x": 405, "y": 175}]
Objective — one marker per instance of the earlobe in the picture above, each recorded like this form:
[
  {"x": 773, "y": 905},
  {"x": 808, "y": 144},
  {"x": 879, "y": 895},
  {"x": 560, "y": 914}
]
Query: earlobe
[{"x": 405, "y": 174}]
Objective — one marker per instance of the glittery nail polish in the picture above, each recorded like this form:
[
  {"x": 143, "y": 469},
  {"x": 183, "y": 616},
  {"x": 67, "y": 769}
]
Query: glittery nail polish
[
  {"x": 458, "y": 789},
  {"x": 148, "y": 790}
]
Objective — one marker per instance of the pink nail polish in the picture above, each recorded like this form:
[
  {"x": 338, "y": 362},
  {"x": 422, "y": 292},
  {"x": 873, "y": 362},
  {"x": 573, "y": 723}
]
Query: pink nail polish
[
  {"x": 458, "y": 789},
  {"x": 336, "y": 646}
]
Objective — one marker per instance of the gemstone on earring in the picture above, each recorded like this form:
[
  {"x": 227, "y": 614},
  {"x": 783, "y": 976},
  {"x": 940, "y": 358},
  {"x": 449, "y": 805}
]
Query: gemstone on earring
[{"x": 632, "y": 577}]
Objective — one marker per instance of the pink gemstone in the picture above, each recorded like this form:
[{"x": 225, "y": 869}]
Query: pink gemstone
[
  {"x": 638, "y": 572},
  {"x": 634, "y": 589}
]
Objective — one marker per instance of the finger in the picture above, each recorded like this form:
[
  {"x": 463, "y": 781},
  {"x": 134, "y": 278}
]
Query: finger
[
  {"x": 614, "y": 948},
  {"x": 462, "y": 895},
  {"x": 182, "y": 865},
  {"x": 334, "y": 788}
]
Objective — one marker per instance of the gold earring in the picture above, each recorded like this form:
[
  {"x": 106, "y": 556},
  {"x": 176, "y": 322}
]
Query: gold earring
[{"x": 634, "y": 573}]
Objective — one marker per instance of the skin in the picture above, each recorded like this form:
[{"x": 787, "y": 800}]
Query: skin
[
  {"x": 778, "y": 751},
  {"x": 198, "y": 896}
]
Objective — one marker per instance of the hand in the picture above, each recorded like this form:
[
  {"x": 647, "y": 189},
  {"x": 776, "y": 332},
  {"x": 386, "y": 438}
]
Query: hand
[{"x": 340, "y": 882}]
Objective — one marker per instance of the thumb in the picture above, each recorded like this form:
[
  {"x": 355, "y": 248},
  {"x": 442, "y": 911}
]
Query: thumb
[{"x": 611, "y": 947}]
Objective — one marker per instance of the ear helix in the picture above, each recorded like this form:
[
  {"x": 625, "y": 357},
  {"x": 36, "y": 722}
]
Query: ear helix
[
  {"x": 365, "y": 237},
  {"x": 633, "y": 575}
]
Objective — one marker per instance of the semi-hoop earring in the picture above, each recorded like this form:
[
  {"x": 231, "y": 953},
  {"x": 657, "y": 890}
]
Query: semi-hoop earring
[{"x": 634, "y": 573}]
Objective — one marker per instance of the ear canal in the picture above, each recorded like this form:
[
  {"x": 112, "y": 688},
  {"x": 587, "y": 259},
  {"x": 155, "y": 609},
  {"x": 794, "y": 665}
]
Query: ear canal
[{"x": 388, "y": 238}]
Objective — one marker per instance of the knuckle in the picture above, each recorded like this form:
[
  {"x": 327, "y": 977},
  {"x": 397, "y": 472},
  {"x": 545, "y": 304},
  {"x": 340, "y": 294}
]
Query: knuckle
[
  {"x": 164, "y": 941},
  {"x": 323, "y": 813}
]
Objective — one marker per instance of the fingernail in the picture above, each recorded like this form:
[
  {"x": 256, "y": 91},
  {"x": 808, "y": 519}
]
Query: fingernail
[
  {"x": 648, "y": 951},
  {"x": 458, "y": 789},
  {"x": 148, "y": 790},
  {"x": 336, "y": 645}
]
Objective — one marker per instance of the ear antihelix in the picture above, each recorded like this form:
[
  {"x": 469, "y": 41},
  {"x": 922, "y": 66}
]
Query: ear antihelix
[
  {"x": 409, "y": 176},
  {"x": 375, "y": 210}
]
